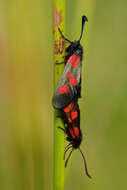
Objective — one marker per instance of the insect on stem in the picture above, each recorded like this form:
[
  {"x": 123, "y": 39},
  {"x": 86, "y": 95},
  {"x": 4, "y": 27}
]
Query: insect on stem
[{"x": 67, "y": 93}]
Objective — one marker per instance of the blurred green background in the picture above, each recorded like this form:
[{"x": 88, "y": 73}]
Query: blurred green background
[{"x": 26, "y": 89}]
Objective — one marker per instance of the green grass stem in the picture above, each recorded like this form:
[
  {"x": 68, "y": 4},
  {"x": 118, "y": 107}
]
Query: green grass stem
[{"x": 59, "y": 53}]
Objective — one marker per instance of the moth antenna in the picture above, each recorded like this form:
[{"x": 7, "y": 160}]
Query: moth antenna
[
  {"x": 66, "y": 162},
  {"x": 84, "y": 19},
  {"x": 66, "y": 150},
  {"x": 86, "y": 170},
  {"x": 64, "y": 36}
]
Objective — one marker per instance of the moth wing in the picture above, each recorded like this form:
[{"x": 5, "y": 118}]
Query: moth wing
[{"x": 69, "y": 86}]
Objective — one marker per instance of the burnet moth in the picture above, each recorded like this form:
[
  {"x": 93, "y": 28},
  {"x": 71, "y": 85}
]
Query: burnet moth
[
  {"x": 67, "y": 93},
  {"x": 69, "y": 86},
  {"x": 71, "y": 117}
]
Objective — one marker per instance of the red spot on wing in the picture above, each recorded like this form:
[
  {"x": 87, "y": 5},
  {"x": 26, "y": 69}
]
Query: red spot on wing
[
  {"x": 76, "y": 61},
  {"x": 68, "y": 108},
  {"x": 74, "y": 115},
  {"x": 68, "y": 74},
  {"x": 72, "y": 133},
  {"x": 73, "y": 81},
  {"x": 64, "y": 89},
  {"x": 76, "y": 131},
  {"x": 71, "y": 59}
]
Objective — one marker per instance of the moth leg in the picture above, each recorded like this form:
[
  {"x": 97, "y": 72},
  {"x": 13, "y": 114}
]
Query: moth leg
[
  {"x": 62, "y": 129},
  {"x": 70, "y": 144},
  {"x": 59, "y": 63}
]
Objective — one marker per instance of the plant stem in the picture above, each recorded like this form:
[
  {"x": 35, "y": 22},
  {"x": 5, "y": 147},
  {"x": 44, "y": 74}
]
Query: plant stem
[{"x": 59, "y": 53}]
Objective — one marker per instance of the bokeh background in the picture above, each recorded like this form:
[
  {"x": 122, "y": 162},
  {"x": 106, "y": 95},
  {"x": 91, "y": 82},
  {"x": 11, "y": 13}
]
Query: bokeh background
[{"x": 26, "y": 89}]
